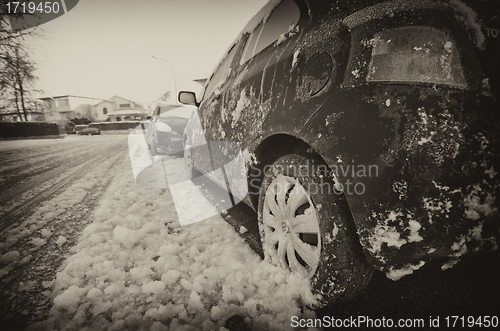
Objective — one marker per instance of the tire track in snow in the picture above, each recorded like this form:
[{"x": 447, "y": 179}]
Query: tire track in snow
[
  {"x": 135, "y": 259},
  {"x": 11, "y": 155},
  {"x": 12, "y": 216},
  {"x": 17, "y": 179},
  {"x": 53, "y": 230}
]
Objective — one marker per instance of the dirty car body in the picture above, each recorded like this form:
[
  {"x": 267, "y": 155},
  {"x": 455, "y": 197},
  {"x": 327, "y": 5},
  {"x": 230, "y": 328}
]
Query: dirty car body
[{"x": 397, "y": 98}]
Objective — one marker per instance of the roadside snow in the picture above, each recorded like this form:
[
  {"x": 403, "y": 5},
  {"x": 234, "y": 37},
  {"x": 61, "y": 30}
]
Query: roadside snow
[
  {"x": 35, "y": 225},
  {"x": 136, "y": 268},
  {"x": 46, "y": 212}
]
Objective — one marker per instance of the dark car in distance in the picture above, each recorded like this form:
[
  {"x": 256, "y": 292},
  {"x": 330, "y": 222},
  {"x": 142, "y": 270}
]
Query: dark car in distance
[
  {"x": 370, "y": 132},
  {"x": 79, "y": 127},
  {"x": 89, "y": 131}
]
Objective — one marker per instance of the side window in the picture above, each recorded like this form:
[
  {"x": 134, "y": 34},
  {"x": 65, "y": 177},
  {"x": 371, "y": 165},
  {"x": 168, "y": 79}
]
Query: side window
[
  {"x": 284, "y": 17},
  {"x": 251, "y": 44},
  {"x": 105, "y": 111},
  {"x": 222, "y": 72}
]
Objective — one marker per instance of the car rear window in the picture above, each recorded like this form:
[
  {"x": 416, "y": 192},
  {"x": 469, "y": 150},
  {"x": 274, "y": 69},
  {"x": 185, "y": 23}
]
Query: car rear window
[
  {"x": 415, "y": 54},
  {"x": 220, "y": 75}
]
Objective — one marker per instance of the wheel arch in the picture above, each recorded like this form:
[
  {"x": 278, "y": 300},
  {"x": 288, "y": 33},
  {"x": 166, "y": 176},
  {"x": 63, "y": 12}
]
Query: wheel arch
[
  {"x": 275, "y": 146},
  {"x": 271, "y": 149}
]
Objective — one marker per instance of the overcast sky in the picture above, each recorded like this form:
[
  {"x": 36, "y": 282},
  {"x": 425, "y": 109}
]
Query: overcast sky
[{"x": 103, "y": 48}]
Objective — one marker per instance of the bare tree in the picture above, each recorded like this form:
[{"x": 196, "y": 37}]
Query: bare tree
[
  {"x": 16, "y": 68},
  {"x": 165, "y": 96},
  {"x": 17, "y": 78},
  {"x": 86, "y": 111},
  {"x": 11, "y": 40}
]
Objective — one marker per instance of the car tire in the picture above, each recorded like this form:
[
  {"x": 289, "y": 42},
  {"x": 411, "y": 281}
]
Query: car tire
[{"x": 311, "y": 231}]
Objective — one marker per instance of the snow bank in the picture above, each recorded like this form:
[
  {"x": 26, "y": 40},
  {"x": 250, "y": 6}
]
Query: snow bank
[{"x": 136, "y": 268}]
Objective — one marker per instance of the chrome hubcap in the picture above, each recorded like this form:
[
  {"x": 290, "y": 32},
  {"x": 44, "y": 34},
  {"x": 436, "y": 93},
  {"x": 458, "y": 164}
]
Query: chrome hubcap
[{"x": 291, "y": 227}]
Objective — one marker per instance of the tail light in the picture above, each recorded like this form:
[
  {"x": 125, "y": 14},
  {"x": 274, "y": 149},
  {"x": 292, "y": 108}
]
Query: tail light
[{"x": 415, "y": 54}]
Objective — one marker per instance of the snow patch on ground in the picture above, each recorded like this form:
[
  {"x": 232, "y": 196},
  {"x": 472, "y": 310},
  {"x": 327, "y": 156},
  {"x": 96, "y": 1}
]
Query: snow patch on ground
[
  {"x": 9, "y": 257},
  {"x": 46, "y": 213},
  {"x": 61, "y": 240},
  {"x": 135, "y": 267}
]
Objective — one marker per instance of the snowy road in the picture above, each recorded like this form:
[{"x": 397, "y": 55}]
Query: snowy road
[
  {"x": 32, "y": 171},
  {"x": 82, "y": 245},
  {"x": 100, "y": 251},
  {"x": 48, "y": 190}
]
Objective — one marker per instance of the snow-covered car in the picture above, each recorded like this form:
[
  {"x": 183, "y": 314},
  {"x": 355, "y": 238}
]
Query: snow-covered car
[
  {"x": 370, "y": 133},
  {"x": 166, "y": 128},
  {"x": 89, "y": 131}
]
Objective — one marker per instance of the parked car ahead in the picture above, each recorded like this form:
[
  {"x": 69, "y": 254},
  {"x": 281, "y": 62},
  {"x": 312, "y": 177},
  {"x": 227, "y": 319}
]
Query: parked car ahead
[
  {"x": 79, "y": 127},
  {"x": 370, "y": 134},
  {"x": 166, "y": 128},
  {"x": 89, "y": 131}
]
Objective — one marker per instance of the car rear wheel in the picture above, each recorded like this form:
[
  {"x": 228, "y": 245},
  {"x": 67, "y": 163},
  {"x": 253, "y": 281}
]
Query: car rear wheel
[{"x": 306, "y": 228}]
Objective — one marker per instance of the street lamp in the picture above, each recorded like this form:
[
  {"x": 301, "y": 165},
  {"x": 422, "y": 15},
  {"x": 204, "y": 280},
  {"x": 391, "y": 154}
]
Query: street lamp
[{"x": 173, "y": 70}]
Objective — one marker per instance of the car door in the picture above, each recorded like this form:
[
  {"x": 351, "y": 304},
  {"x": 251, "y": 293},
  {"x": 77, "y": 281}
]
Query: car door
[
  {"x": 261, "y": 73},
  {"x": 205, "y": 128}
]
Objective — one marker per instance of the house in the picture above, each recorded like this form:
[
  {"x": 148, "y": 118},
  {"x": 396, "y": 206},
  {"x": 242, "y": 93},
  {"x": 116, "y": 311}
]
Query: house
[
  {"x": 63, "y": 108},
  {"x": 34, "y": 112},
  {"x": 117, "y": 108}
]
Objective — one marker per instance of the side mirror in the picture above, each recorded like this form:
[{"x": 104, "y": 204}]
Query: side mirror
[{"x": 188, "y": 98}]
